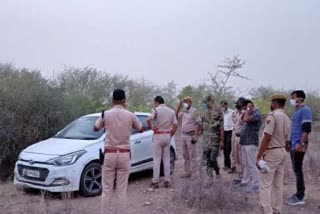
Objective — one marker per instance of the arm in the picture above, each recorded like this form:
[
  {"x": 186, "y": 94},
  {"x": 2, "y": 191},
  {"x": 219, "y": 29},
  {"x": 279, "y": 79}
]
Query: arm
[
  {"x": 221, "y": 122},
  {"x": 150, "y": 118},
  {"x": 98, "y": 125},
  {"x": 137, "y": 125},
  {"x": 268, "y": 131},
  {"x": 264, "y": 145},
  {"x": 174, "y": 126},
  {"x": 174, "y": 129},
  {"x": 222, "y": 138},
  {"x": 306, "y": 128},
  {"x": 246, "y": 116},
  {"x": 178, "y": 110}
]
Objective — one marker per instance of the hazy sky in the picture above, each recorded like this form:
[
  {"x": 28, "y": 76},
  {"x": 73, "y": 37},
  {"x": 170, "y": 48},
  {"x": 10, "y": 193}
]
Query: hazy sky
[{"x": 167, "y": 40}]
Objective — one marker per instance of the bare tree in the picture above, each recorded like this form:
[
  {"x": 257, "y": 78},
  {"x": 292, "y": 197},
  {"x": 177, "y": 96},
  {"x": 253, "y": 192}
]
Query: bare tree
[{"x": 230, "y": 68}]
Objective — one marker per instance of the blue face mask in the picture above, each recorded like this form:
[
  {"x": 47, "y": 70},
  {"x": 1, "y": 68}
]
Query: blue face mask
[{"x": 204, "y": 107}]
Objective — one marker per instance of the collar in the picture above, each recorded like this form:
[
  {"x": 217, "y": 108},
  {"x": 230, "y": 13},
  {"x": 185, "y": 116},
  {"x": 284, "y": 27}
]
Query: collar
[
  {"x": 280, "y": 110},
  {"x": 118, "y": 106}
]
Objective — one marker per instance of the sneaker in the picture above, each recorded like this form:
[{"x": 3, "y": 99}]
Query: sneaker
[
  {"x": 241, "y": 187},
  {"x": 167, "y": 184},
  {"x": 154, "y": 185},
  {"x": 294, "y": 200},
  {"x": 236, "y": 181},
  {"x": 232, "y": 170}
]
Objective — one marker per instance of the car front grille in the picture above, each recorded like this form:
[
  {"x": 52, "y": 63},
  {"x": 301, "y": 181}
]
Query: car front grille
[{"x": 43, "y": 172}]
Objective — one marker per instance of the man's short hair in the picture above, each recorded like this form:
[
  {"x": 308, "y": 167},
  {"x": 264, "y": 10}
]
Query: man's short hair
[
  {"x": 208, "y": 99},
  {"x": 224, "y": 102},
  {"x": 246, "y": 102},
  {"x": 159, "y": 99},
  {"x": 299, "y": 94},
  {"x": 119, "y": 95},
  {"x": 240, "y": 100},
  {"x": 280, "y": 99},
  {"x": 281, "y": 102}
]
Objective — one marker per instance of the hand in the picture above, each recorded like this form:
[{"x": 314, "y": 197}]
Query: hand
[
  {"x": 249, "y": 107},
  {"x": 154, "y": 129},
  {"x": 300, "y": 147},
  {"x": 221, "y": 144},
  {"x": 259, "y": 158}
]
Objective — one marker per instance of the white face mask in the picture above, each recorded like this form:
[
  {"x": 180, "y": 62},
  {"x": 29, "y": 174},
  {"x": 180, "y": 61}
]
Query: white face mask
[
  {"x": 223, "y": 109},
  {"x": 185, "y": 106},
  {"x": 293, "y": 103}
]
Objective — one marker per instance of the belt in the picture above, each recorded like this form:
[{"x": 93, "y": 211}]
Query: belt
[
  {"x": 116, "y": 150},
  {"x": 189, "y": 133},
  {"x": 162, "y": 132},
  {"x": 279, "y": 147}
]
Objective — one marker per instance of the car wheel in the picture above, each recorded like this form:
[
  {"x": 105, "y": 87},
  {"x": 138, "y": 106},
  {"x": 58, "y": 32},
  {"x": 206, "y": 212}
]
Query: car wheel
[
  {"x": 172, "y": 164},
  {"x": 91, "y": 183}
]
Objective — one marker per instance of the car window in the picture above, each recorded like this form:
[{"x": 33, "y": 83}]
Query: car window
[
  {"x": 81, "y": 129},
  {"x": 143, "y": 120}
]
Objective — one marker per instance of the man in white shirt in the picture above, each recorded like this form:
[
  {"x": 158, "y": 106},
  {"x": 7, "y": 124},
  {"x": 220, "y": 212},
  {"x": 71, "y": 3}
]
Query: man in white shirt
[{"x": 228, "y": 127}]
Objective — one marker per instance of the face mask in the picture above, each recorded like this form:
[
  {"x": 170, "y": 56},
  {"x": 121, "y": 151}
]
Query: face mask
[
  {"x": 223, "y": 109},
  {"x": 204, "y": 106},
  {"x": 185, "y": 106},
  {"x": 293, "y": 103}
]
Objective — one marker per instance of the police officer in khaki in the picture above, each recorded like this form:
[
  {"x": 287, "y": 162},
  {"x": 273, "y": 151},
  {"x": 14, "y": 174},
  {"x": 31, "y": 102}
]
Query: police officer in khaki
[
  {"x": 190, "y": 127},
  {"x": 273, "y": 152},
  {"x": 164, "y": 123},
  {"x": 119, "y": 123}
]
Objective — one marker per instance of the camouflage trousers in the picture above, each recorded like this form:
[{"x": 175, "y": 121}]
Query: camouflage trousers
[{"x": 210, "y": 160}]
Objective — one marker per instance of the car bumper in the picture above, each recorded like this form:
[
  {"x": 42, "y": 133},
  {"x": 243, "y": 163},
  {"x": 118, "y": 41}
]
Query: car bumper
[{"x": 58, "y": 179}]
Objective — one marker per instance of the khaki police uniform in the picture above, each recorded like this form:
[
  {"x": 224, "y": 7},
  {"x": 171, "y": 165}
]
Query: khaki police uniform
[
  {"x": 277, "y": 125},
  {"x": 164, "y": 118},
  {"x": 236, "y": 150},
  {"x": 190, "y": 120},
  {"x": 119, "y": 123}
]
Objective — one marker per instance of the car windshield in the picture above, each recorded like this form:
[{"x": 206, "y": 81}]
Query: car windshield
[{"x": 81, "y": 129}]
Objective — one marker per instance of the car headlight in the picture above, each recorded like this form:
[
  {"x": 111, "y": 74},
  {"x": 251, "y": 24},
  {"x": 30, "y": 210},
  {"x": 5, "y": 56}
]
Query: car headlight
[{"x": 68, "y": 159}]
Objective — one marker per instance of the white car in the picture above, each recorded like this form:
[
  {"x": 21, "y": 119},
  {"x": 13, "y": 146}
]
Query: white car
[{"x": 69, "y": 161}]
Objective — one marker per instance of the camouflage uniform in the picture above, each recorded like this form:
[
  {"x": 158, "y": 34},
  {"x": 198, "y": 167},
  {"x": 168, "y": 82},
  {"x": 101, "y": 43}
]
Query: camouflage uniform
[{"x": 212, "y": 123}]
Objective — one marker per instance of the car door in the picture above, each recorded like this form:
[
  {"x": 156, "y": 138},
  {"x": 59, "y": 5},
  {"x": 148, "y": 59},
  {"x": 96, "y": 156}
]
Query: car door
[{"x": 141, "y": 144}]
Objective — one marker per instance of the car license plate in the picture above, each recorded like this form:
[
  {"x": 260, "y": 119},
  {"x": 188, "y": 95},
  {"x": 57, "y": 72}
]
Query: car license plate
[{"x": 31, "y": 173}]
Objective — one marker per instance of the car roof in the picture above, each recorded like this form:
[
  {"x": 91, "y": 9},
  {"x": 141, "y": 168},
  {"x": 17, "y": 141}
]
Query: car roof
[{"x": 136, "y": 113}]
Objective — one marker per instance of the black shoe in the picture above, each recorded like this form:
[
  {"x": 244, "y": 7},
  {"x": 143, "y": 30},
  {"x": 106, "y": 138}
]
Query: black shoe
[
  {"x": 236, "y": 181},
  {"x": 232, "y": 170},
  {"x": 167, "y": 184},
  {"x": 154, "y": 185}
]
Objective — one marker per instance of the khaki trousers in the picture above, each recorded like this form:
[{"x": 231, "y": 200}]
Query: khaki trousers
[
  {"x": 236, "y": 153},
  {"x": 116, "y": 166},
  {"x": 189, "y": 152},
  {"x": 161, "y": 150},
  {"x": 271, "y": 184}
]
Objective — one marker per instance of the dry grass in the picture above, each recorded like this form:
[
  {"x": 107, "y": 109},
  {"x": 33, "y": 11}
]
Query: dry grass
[{"x": 203, "y": 195}]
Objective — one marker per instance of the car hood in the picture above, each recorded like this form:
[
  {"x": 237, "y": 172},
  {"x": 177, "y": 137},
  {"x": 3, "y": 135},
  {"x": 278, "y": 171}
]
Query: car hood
[{"x": 58, "y": 146}]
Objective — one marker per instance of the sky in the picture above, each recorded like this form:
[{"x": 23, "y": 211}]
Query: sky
[{"x": 167, "y": 40}]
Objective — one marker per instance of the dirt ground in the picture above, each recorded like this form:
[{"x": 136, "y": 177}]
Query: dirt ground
[{"x": 186, "y": 196}]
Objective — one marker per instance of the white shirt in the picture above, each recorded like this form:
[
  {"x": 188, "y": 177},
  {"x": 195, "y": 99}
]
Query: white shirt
[{"x": 228, "y": 120}]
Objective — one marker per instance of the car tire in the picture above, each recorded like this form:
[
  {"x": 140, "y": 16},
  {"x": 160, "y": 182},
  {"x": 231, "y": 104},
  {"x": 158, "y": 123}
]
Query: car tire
[
  {"x": 91, "y": 180},
  {"x": 172, "y": 164}
]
